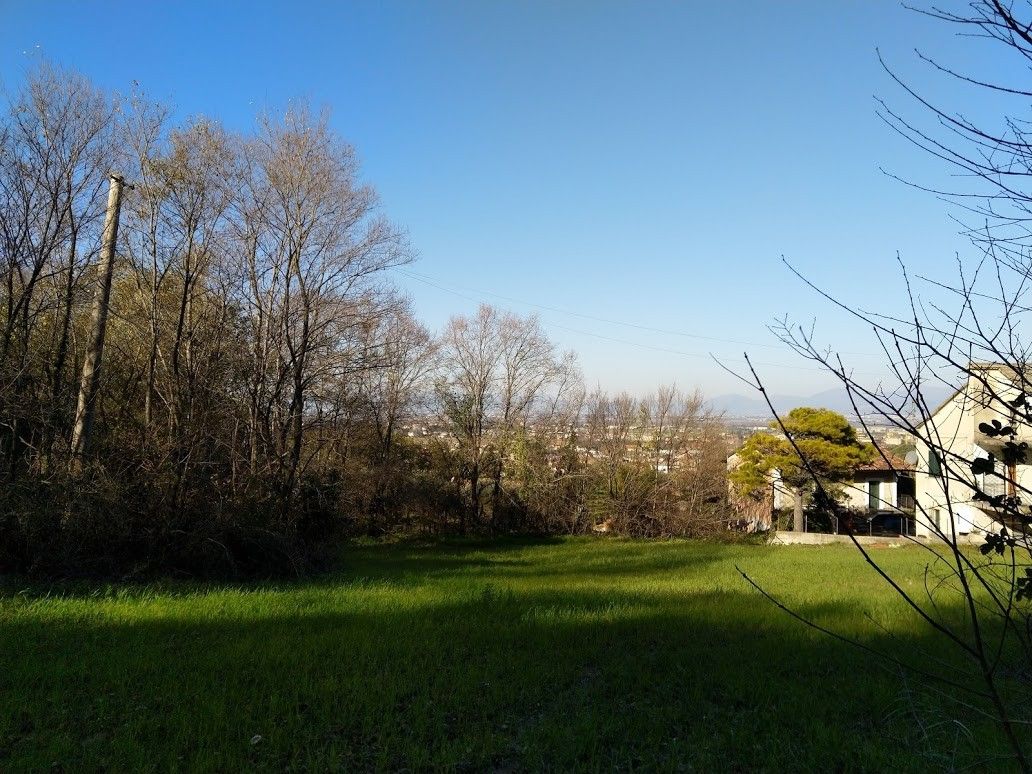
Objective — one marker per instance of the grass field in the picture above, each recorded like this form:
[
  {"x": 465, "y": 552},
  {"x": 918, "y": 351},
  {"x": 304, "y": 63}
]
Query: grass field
[{"x": 500, "y": 656}]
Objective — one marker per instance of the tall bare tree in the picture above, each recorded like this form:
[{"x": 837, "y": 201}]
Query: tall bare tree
[
  {"x": 400, "y": 358},
  {"x": 501, "y": 376},
  {"x": 468, "y": 395},
  {"x": 56, "y": 150},
  {"x": 311, "y": 241}
]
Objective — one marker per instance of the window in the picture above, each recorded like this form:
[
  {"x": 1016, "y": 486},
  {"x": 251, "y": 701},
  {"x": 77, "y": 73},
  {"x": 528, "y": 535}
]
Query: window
[
  {"x": 934, "y": 463},
  {"x": 873, "y": 495},
  {"x": 936, "y": 518}
]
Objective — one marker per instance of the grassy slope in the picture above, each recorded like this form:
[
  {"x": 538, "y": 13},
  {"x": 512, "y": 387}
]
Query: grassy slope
[{"x": 506, "y": 656}]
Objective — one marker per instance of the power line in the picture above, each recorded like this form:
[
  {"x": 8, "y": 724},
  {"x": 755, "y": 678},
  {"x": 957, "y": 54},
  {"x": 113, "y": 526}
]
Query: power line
[
  {"x": 427, "y": 280},
  {"x": 709, "y": 356},
  {"x": 433, "y": 282}
]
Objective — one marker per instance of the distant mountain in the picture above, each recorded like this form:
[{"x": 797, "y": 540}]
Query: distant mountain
[
  {"x": 754, "y": 406},
  {"x": 744, "y": 406}
]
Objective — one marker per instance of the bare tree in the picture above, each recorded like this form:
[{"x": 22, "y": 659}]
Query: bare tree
[
  {"x": 615, "y": 438},
  {"x": 690, "y": 451},
  {"x": 147, "y": 241},
  {"x": 56, "y": 151},
  {"x": 532, "y": 379},
  {"x": 468, "y": 394},
  {"x": 658, "y": 464},
  {"x": 501, "y": 376},
  {"x": 310, "y": 242},
  {"x": 400, "y": 357},
  {"x": 238, "y": 320}
]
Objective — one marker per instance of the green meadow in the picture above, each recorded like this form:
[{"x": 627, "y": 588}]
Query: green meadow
[{"x": 561, "y": 655}]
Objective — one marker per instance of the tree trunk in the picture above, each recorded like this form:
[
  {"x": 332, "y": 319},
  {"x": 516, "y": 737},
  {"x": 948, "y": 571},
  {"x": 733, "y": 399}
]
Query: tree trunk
[
  {"x": 798, "y": 525},
  {"x": 474, "y": 494},
  {"x": 498, "y": 520}
]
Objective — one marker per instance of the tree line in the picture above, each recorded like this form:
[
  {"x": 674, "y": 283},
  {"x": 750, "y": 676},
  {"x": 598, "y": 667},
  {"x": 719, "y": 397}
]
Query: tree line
[{"x": 259, "y": 367}]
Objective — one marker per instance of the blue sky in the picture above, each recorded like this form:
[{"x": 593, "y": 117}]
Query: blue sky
[{"x": 644, "y": 163}]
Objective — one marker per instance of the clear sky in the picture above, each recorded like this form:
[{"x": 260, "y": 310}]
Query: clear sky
[{"x": 645, "y": 163}]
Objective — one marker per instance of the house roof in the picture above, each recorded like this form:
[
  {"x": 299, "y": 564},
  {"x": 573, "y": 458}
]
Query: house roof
[
  {"x": 1005, "y": 369},
  {"x": 953, "y": 396},
  {"x": 894, "y": 463}
]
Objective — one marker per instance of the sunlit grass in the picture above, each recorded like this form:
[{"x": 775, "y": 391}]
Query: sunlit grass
[{"x": 478, "y": 656}]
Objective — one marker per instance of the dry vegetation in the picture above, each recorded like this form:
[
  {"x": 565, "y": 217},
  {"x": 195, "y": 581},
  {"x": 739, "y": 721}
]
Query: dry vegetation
[{"x": 258, "y": 368}]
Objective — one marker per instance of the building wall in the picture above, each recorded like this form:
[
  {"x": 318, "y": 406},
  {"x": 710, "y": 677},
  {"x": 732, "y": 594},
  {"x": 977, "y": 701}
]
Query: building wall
[
  {"x": 949, "y": 496},
  {"x": 783, "y": 497},
  {"x": 857, "y": 494}
]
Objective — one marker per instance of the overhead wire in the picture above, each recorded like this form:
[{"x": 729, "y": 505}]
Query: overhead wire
[{"x": 432, "y": 282}]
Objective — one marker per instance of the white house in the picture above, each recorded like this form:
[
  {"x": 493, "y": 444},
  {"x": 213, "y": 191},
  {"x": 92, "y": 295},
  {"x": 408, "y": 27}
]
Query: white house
[
  {"x": 880, "y": 486},
  {"x": 880, "y": 496},
  {"x": 882, "y": 490},
  {"x": 945, "y": 485}
]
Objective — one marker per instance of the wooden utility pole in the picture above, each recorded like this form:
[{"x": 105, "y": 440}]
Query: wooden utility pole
[{"x": 98, "y": 323}]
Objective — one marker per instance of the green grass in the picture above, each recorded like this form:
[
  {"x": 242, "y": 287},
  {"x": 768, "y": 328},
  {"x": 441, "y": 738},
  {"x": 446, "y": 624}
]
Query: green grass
[{"x": 503, "y": 656}]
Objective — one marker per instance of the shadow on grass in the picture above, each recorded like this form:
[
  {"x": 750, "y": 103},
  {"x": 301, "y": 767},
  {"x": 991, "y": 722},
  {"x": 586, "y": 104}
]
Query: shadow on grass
[
  {"x": 592, "y": 559},
  {"x": 415, "y": 561},
  {"x": 483, "y": 679},
  {"x": 368, "y": 560}
]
